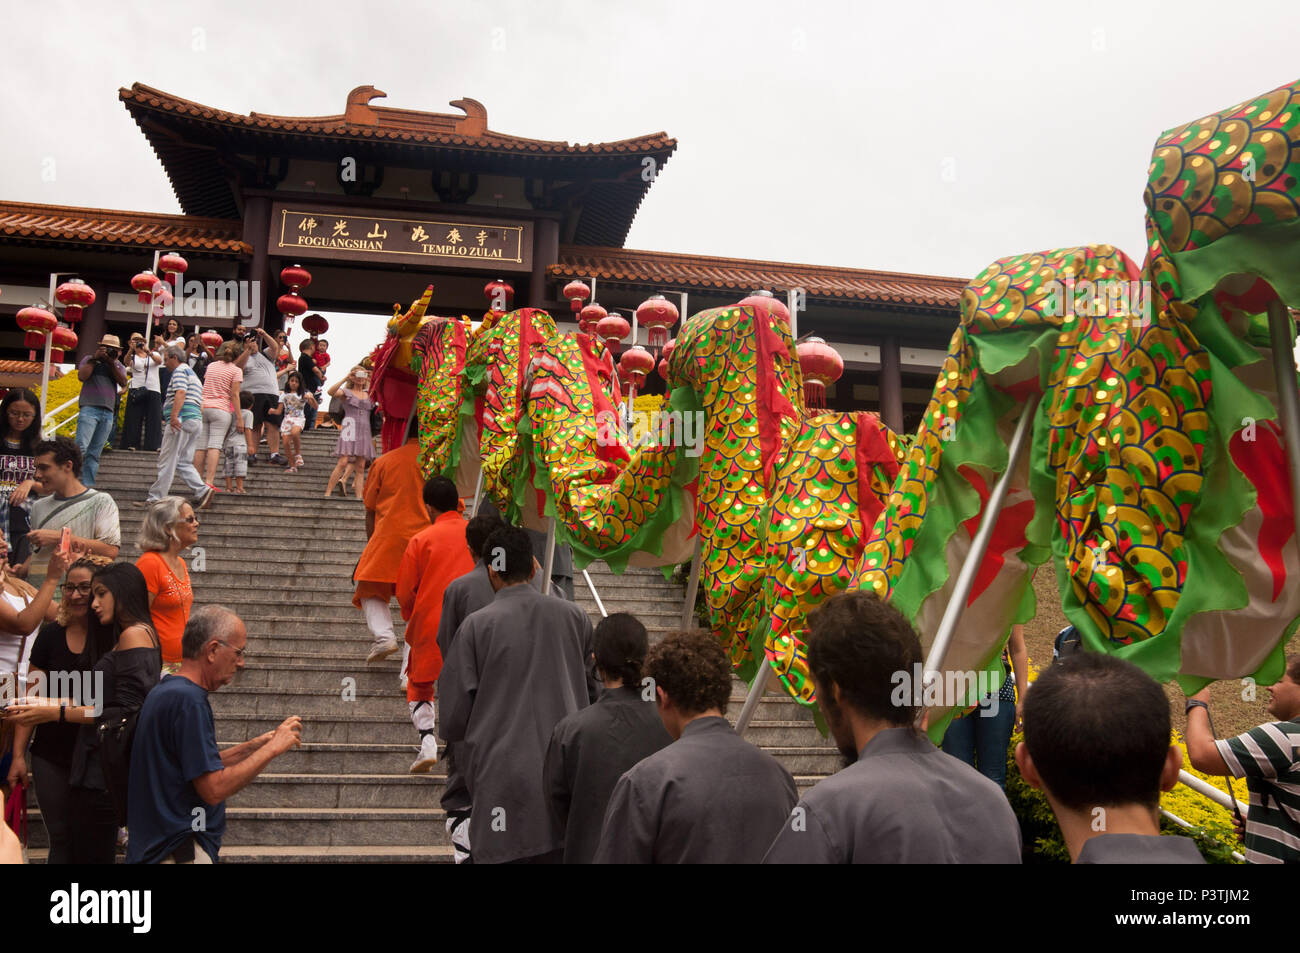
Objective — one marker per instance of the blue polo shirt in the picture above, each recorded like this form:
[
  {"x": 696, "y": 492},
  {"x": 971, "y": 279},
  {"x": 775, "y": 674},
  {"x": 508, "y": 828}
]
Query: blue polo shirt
[{"x": 175, "y": 742}]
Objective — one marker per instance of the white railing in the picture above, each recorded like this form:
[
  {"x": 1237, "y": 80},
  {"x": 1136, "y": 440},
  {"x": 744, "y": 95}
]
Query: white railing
[{"x": 49, "y": 424}]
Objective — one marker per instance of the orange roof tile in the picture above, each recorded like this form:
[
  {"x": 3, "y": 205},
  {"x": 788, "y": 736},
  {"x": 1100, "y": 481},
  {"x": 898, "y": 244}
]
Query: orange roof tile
[
  {"x": 684, "y": 272},
  {"x": 24, "y": 220},
  {"x": 28, "y": 367}
]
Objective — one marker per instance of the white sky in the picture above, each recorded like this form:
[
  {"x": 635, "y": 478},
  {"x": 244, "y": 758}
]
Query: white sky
[{"x": 920, "y": 137}]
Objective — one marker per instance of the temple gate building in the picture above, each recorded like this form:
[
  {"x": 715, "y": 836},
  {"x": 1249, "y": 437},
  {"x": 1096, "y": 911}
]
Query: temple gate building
[{"x": 378, "y": 202}]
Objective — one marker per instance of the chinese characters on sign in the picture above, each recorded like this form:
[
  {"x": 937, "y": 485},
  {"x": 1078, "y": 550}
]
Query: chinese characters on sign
[{"x": 469, "y": 243}]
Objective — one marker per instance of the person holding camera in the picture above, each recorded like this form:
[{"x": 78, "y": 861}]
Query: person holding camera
[
  {"x": 355, "y": 446},
  {"x": 143, "y": 396},
  {"x": 101, "y": 375}
]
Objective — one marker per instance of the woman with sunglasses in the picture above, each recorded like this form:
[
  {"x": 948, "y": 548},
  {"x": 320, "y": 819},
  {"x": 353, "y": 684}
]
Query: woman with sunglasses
[
  {"x": 61, "y": 657},
  {"x": 120, "y": 628},
  {"x": 20, "y": 421},
  {"x": 170, "y": 526}
]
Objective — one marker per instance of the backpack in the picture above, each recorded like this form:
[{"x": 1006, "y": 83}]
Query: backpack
[{"x": 1067, "y": 643}]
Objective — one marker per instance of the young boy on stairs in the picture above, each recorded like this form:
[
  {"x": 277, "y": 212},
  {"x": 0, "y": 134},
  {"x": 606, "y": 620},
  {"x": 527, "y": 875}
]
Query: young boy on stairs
[{"x": 433, "y": 558}]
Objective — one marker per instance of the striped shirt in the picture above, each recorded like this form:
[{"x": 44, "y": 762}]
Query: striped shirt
[
  {"x": 184, "y": 377},
  {"x": 1268, "y": 757},
  {"x": 218, "y": 385}
]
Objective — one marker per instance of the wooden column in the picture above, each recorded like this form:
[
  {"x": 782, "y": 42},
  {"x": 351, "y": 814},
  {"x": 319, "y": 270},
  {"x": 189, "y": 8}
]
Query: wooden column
[
  {"x": 546, "y": 252},
  {"x": 92, "y": 325},
  {"x": 891, "y": 385},
  {"x": 257, "y": 233}
]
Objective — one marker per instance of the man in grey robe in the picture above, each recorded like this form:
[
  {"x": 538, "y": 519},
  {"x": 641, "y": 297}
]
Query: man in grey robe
[
  {"x": 514, "y": 669},
  {"x": 1097, "y": 744},
  {"x": 591, "y": 748},
  {"x": 462, "y": 597},
  {"x": 901, "y": 800},
  {"x": 562, "y": 562},
  {"x": 710, "y": 797}
]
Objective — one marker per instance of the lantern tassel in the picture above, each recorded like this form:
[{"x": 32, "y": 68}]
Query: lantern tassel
[{"x": 814, "y": 394}]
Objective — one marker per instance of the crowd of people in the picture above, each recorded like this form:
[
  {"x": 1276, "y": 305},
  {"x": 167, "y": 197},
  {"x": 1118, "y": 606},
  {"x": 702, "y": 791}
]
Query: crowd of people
[
  {"x": 562, "y": 742},
  {"x": 206, "y": 410}
]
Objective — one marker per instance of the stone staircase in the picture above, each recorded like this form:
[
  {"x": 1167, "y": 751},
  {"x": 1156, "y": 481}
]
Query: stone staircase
[{"x": 282, "y": 557}]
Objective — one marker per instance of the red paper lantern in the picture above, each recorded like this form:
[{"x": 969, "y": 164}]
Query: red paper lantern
[
  {"x": 36, "y": 320},
  {"x": 211, "y": 340},
  {"x": 577, "y": 292},
  {"x": 663, "y": 370},
  {"x": 589, "y": 317},
  {"x": 171, "y": 265},
  {"x": 296, "y": 277},
  {"x": 611, "y": 328},
  {"x": 636, "y": 363},
  {"x": 75, "y": 295},
  {"x": 144, "y": 284},
  {"x": 658, "y": 314},
  {"x": 821, "y": 365},
  {"x": 290, "y": 304},
  {"x": 314, "y": 324},
  {"x": 766, "y": 301},
  {"x": 64, "y": 339},
  {"x": 498, "y": 291}
]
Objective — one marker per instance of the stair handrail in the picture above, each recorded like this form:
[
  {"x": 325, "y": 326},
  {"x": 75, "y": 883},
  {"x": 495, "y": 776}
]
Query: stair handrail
[{"x": 49, "y": 424}]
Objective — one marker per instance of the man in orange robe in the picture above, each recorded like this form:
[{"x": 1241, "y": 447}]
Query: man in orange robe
[
  {"x": 434, "y": 557},
  {"x": 394, "y": 513}
]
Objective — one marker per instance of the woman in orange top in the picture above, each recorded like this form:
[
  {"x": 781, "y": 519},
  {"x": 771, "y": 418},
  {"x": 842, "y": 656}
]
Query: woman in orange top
[{"x": 169, "y": 527}]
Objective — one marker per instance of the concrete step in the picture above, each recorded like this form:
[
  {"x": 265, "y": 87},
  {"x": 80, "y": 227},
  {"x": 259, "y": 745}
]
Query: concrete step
[
  {"x": 341, "y": 791},
  {"x": 248, "y": 828},
  {"x": 359, "y": 854},
  {"x": 316, "y": 758}
]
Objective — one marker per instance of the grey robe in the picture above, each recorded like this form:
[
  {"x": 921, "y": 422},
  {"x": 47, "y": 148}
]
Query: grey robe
[
  {"x": 463, "y": 596},
  {"x": 561, "y": 565},
  {"x": 902, "y": 802},
  {"x": 710, "y": 797},
  {"x": 514, "y": 669},
  {"x": 589, "y": 751},
  {"x": 1139, "y": 849}
]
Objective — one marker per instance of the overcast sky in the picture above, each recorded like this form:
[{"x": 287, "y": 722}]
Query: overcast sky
[{"x": 919, "y": 137}]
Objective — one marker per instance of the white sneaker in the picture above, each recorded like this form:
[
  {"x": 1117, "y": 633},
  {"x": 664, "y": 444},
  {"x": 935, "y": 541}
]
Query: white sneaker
[
  {"x": 428, "y": 755},
  {"x": 381, "y": 650}
]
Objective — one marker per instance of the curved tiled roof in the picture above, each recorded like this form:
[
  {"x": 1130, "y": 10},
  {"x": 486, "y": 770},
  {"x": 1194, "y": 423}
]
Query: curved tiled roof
[
  {"x": 205, "y": 154},
  {"x": 29, "y": 367},
  {"x": 669, "y": 270},
  {"x": 97, "y": 226},
  {"x": 398, "y": 125}
]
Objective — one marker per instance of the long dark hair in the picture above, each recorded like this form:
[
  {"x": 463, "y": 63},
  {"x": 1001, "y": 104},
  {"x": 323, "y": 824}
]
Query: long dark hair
[
  {"x": 130, "y": 606},
  {"x": 294, "y": 376},
  {"x": 27, "y": 439}
]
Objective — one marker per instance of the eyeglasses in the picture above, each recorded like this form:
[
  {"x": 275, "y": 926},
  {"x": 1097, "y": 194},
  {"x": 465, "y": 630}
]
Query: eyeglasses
[
  {"x": 21, "y": 415},
  {"x": 189, "y": 519},
  {"x": 239, "y": 653},
  {"x": 81, "y": 589}
]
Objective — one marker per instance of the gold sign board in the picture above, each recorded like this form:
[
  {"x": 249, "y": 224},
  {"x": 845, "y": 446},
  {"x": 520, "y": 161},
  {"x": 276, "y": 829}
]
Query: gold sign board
[{"x": 351, "y": 235}]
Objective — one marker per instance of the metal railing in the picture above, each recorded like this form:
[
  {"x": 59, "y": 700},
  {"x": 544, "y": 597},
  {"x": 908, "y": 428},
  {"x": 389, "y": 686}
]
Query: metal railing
[{"x": 49, "y": 424}]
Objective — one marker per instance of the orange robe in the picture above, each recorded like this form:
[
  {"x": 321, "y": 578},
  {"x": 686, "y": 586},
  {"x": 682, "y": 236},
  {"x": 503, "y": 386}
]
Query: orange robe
[
  {"x": 394, "y": 487},
  {"x": 434, "y": 557}
]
